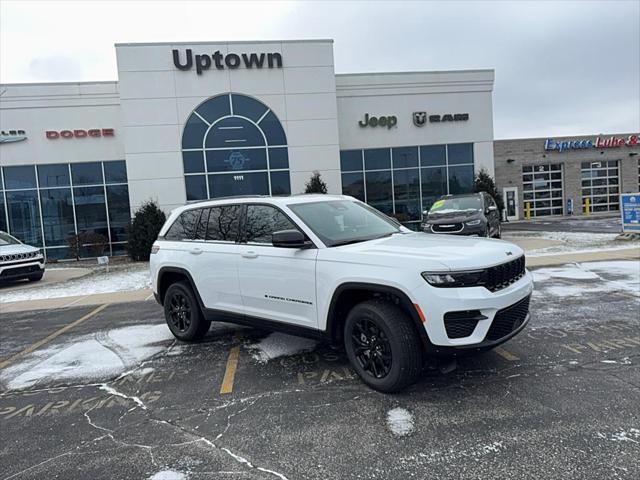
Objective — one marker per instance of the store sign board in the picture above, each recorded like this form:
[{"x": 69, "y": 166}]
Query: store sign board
[
  {"x": 80, "y": 133},
  {"x": 630, "y": 209},
  {"x": 600, "y": 142},
  {"x": 388, "y": 121},
  {"x": 218, "y": 60},
  {"x": 10, "y": 136}
]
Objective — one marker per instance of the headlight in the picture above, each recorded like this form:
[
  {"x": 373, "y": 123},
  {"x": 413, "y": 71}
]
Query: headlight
[
  {"x": 474, "y": 222},
  {"x": 455, "y": 279}
]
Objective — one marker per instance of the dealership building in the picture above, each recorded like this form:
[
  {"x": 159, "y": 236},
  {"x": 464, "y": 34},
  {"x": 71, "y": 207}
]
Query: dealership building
[
  {"x": 191, "y": 121},
  {"x": 566, "y": 175}
]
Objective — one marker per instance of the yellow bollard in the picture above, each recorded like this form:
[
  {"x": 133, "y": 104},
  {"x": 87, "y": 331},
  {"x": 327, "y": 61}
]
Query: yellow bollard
[
  {"x": 527, "y": 210},
  {"x": 587, "y": 204}
]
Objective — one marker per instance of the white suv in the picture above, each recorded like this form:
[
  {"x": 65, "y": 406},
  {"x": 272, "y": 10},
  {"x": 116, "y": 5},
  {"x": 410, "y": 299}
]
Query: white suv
[
  {"x": 19, "y": 261},
  {"x": 331, "y": 266}
]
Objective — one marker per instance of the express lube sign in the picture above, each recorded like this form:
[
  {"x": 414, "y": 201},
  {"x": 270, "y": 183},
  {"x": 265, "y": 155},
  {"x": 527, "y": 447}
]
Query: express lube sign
[
  {"x": 220, "y": 61},
  {"x": 600, "y": 142}
]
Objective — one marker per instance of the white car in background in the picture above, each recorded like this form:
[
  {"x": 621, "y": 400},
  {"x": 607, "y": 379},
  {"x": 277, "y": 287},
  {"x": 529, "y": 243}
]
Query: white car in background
[{"x": 19, "y": 261}]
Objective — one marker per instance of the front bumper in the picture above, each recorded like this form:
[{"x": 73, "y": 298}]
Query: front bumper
[
  {"x": 436, "y": 302},
  {"x": 20, "y": 270}
]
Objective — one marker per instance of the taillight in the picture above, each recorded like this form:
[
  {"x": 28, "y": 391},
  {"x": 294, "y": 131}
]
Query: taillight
[{"x": 155, "y": 248}]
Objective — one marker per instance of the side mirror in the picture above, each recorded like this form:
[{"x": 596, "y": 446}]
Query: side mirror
[
  {"x": 289, "y": 239},
  {"x": 492, "y": 208}
]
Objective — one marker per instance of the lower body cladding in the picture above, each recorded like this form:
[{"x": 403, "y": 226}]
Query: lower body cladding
[
  {"x": 472, "y": 319},
  {"x": 19, "y": 271}
]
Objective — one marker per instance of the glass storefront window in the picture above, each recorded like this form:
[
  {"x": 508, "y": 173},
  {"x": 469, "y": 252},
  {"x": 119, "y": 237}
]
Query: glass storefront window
[
  {"x": 47, "y": 206},
  {"x": 351, "y": 160},
  {"x": 16, "y": 178},
  {"x": 459, "y": 153},
  {"x": 377, "y": 159},
  {"x": 406, "y": 188},
  {"x": 53, "y": 175},
  {"x": 433, "y": 155},
  {"x": 237, "y": 134},
  {"x": 57, "y": 215},
  {"x": 379, "y": 191},
  {"x": 460, "y": 179},
  {"x": 405, "y": 157},
  {"x": 24, "y": 216},
  {"x": 353, "y": 184},
  {"x": 91, "y": 211},
  {"x": 87, "y": 173}
]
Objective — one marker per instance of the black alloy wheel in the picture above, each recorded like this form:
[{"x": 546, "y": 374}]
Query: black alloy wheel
[
  {"x": 371, "y": 348},
  {"x": 180, "y": 311}
]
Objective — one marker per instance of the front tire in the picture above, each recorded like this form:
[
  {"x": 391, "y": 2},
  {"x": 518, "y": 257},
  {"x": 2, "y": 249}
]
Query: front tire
[
  {"x": 383, "y": 346},
  {"x": 182, "y": 313},
  {"x": 37, "y": 277}
]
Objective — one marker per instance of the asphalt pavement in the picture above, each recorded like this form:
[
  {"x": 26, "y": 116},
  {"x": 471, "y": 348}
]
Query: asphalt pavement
[{"x": 561, "y": 400}]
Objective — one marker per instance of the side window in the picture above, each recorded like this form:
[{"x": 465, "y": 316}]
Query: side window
[
  {"x": 223, "y": 223},
  {"x": 262, "y": 221},
  {"x": 201, "y": 227},
  {"x": 183, "y": 227}
]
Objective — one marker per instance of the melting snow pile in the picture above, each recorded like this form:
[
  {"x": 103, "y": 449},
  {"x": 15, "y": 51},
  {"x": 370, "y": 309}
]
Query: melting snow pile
[
  {"x": 132, "y": 278},
  {"x": 98, "y": 356},
  {"x": 168, "y": 475},
  {"x": 280, "y": 345},
  {"x": 623, "y": 275},
  {"x": 572, "y": 242},
  {"x": 400, "y": 421}
]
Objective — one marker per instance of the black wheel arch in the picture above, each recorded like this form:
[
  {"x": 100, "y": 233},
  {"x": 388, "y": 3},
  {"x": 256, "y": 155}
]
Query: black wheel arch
[
  {"x": 170, "y": 275},
  {"x": 349, "y": 294}
]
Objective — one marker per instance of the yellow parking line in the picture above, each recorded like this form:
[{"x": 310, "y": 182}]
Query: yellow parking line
[
  {"x": 232, "y": 366},
  {"x": 55, "y": 334},
  {"x": 507, "y": 355}
]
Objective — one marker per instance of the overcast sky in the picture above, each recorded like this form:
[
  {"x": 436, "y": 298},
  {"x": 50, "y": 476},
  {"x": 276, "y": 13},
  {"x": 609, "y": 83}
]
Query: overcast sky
[{"x": 562, "y": 68}]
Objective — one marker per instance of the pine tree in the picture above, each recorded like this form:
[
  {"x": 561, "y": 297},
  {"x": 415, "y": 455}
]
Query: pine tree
[
  {"x": 316, "y": 184},
  {"x": 484, "y": 183},
  {"x": 144, "y": 229}
]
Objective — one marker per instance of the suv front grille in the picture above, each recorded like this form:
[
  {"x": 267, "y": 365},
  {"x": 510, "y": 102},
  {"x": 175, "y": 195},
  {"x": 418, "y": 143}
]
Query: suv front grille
[
  {"x": 501, "y": 276},
  {"x": 508, "y": 319},
  {"x": 462, "y": 324},
  {"x": 18, "y": 256}
]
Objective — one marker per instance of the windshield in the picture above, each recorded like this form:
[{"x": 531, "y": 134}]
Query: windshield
[
  {"x": 6, "y": 239},
  {"x": 456, "y": 204},
  {"x": 340, "y": 222}
]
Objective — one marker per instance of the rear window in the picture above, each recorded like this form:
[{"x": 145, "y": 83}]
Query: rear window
[{"x": 184, "y": 226}]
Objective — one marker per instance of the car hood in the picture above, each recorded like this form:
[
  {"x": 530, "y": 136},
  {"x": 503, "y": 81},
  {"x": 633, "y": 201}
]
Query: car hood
[
  {"x": 437, "y": 252},
  {"x": 12, "y": 249},
  {"x": 454, "y": 216}
]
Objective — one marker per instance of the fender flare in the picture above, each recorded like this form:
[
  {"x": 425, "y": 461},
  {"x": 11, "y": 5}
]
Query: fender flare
[{"x": 184, "y": 272}]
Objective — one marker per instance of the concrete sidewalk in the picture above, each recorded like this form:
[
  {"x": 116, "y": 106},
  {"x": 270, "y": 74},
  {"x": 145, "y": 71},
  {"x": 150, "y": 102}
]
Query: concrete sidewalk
[{"x": 147, "y": 294}]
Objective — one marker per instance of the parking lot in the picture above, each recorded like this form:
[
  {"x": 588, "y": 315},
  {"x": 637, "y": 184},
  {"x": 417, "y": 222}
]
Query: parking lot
[{"x": 105, "y": 392}]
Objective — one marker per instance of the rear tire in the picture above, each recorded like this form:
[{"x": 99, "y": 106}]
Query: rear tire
[
  {"x": 383, "y": 345},
  {"x": 37, "y": 277},
  {"x": 182, "y": 313}
]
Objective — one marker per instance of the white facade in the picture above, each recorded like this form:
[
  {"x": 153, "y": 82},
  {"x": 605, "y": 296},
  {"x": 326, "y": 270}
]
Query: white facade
[{"x": 319, "y": 111}]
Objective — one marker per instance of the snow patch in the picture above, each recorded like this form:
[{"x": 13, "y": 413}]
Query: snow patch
[
  {"x": 97, "y": 356},
  {"x": 571, "y": 242},
  {"x": 631, "y": 435},
  {"x": 168, "y": 475},
  {"x": 400, "y": 421},
  {"x": 571, "y": 272},
  {"x": 280, "y": 345},
  {"x": 132, "y": 278}
]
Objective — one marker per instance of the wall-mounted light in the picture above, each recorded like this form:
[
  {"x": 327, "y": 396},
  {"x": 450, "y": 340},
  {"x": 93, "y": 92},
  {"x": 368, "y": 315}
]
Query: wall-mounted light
[
  {"x": 632, "y": 154},
  {"x": 510, "y": 160}
]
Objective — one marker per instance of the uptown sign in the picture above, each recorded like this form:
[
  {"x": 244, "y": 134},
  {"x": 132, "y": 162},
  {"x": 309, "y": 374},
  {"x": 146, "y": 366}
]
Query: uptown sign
[
  {"x": 80, "y": 133},
  {"x": 600, "y": 142},
  {"x": 231, "y": 60}
]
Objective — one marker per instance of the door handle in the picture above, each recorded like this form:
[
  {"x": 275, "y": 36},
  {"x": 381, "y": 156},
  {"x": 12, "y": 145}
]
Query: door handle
[
  {"x": 195, "y": 251},
  {"x": 249, "y": 254}
]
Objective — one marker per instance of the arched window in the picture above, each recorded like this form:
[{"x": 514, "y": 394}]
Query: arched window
[{"x": 234, "y": 145}]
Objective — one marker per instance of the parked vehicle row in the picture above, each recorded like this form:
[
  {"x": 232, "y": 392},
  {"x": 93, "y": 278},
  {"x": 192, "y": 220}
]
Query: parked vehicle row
[{"x": 470, "y": 214}]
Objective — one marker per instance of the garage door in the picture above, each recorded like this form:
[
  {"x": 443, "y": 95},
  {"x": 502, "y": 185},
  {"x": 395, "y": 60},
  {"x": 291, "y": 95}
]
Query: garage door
[
  {"x": 542, "y": 189},
  {"x": 600, "y": 183}
]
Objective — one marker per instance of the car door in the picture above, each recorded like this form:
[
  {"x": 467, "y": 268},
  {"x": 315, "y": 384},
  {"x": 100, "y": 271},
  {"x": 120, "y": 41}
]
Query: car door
[
  {"x": 215, "y": 253},
  {"x": 277, "y": 284}
]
